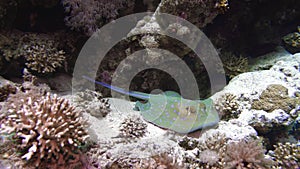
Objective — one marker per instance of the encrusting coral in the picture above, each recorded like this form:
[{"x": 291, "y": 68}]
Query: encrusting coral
[
  {"x": 227, "y": 106},
  {"x": 274, "y": 97},
  {"x": 286, "y": 155},
  {"x": 50, "y": 131},
  {"x": 133, "y": 128}
]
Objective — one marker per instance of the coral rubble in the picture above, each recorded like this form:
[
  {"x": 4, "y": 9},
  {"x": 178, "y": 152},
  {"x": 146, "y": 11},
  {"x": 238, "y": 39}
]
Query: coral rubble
[{"x": 93, "y": 103}]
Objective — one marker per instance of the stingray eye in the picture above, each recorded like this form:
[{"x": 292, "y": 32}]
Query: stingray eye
[{"x": 202, "y": 107}]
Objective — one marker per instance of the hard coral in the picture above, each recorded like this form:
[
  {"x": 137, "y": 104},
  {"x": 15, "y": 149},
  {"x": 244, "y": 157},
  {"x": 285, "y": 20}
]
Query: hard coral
[
  {"x": 40, "y": 52},
  {"x": 234, "y": 65},
  {"x": 246, "y": 154},
  {"x": 42, "y": 55},
  {"x": 275, "y": 97},
  {"x": 133, "y": 128},
  {"x": 286, "y": 155},
  {"x": 228, "y": 106},
  {"x": 50, "y": 131}
]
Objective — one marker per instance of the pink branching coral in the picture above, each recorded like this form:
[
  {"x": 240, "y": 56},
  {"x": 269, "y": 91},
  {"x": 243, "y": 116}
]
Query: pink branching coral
[
  {"x": 89, "y": 15},
  {"x": 50, "y": 131}
]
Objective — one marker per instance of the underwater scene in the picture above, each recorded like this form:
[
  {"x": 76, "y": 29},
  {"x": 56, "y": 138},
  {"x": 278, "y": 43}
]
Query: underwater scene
[{"x": 149, "y": 84}]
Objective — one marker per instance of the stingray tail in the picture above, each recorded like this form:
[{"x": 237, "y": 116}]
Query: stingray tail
[{"x": 138, "y": 95}]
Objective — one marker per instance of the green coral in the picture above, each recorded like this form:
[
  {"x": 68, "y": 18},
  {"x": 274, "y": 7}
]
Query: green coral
[{"x": 274, "y": 97}]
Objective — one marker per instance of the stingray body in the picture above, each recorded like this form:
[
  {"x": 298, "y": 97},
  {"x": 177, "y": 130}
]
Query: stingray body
[{"x": 169, "y": 110}]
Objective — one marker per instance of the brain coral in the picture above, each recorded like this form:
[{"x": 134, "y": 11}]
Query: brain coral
[{"x": 50, "y": 131}]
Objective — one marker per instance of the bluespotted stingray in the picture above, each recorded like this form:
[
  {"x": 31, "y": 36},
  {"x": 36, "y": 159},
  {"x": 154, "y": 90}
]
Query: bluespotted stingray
[{"x": 171, "y": 111}]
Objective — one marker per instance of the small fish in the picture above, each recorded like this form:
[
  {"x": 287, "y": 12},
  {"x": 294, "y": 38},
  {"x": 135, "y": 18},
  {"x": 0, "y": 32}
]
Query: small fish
[{"x": 169, "y": 110}]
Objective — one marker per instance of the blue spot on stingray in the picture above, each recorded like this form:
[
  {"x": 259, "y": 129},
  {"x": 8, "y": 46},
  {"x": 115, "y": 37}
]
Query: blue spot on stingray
[{"x": 172, "y": 106}]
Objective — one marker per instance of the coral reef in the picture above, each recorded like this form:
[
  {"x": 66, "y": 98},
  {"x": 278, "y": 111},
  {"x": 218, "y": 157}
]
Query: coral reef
[
  {"x": 40, "y": 52},
  {"x": 90, "y": 15},
  {"x": 265, "y": 123},
  {"x": 233, "y": 65},
  {"x": 133, "y": 128},
  {"x": 198, "y": 12},
  {"x": 196, "y": 151},
  {"x": 227, "y": 106},
  {"x": 291, "y": 41},
  {"x": 50, "y": 131},
  {"x": 25, "y": 91},
  {"x": 246, "y": 154},
  {"x": 286, "y": 155},
  {"x": 93, "y": 103},
  {"x": 275, "y": 97}
]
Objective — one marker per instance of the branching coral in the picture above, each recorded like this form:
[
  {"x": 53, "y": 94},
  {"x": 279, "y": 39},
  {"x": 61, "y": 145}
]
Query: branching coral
[
  {"x": 43, "y": 59},
  {"x": 40, "y": 52},
  {"x": 228, "y": 106},
  {"x": 133, "y": 128},
  {"x": 234, "y": 65},
  {"x": 89, "y": 15},
  {"x": 50, "y": 131},
  {"x": 286, "y": 155},
  {"x": 246, "y": 154}
]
